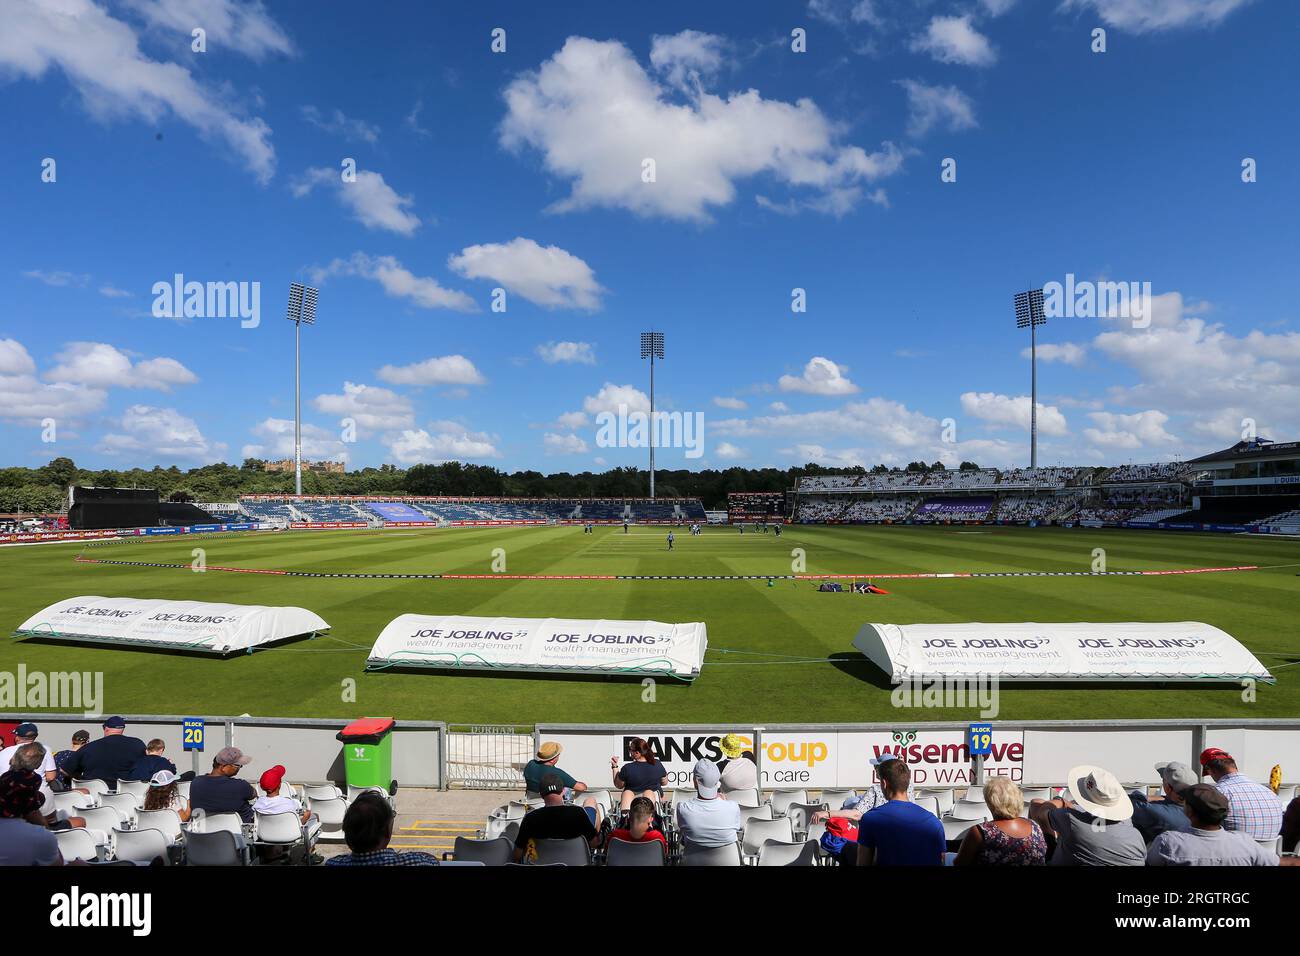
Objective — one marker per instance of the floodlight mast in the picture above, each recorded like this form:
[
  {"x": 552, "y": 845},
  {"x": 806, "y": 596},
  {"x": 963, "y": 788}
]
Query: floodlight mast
[
  {"x": 652, "y": 347},
  {"x": 1029, "y": 312},
  {"x": 302, "y": 308}
]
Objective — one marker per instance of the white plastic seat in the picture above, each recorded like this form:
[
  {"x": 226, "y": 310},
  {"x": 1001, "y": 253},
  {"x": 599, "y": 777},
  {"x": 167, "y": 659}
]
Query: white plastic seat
[
  {"x": 314, "y": 791},
  {"x": 280, "y": 828},
  {"x": 93, "y": 784},
  {"x": 137, "y": 788},
  {"x": 781, "y": 800},
  {"x": 745, "y": 798},
  {"x": 500, "y": 827},
  {"x": 1036, "y": 793},
  {"x": 755, "y": 813},
  {"x": 601, "y": 797},
  {"x": 800, "y": 814},
  {"x": 929, "y": 803},
  {"x": 779, "y": 853},
  {"x": 330, "y": 813},
  {"x": 77, "y": 844},
  {"x": 628, "y": 853},
  {"x": 124, "y": 803},
  {"x": 101, "y": 818},
  {"x": 140, "y": 846},
  {"x": 945, "y": 798},
  {"x": 1273, "y": 845},
  {"x": 72, "y": 802},
  {"x": 166, "y": 822},
  {"x": 835, "y": 798},
  {"x": 757, "y": 831},
  {"x": 212, "y": 822}
]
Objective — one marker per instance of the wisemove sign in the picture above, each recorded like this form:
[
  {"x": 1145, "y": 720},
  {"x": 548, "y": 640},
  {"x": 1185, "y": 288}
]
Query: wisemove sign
[
  {"x": 789, "y": 758},
  {"x": 545, "y": 645}
]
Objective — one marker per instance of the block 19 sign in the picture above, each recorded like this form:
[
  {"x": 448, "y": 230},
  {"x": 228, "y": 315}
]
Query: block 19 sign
[{"x": 979, "y": 739}]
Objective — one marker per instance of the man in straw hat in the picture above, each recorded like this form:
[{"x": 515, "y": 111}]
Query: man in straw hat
[
  {"x": 543, "y": 764},
  {"x": 1095, "y": 827},
  {"x": 739, "y": 771}
]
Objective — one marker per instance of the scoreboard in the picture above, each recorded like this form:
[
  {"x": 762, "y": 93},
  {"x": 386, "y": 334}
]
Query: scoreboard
[{"x": 756, "y": 506}]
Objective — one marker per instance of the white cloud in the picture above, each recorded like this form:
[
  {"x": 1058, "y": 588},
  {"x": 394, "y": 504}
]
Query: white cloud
[
  {"x": 160, "y": 432},
  {"x": 1139, "y": 430},
  {"x": 15, "y": 359},
  {"x": 779, "y": 407},
  {"x": 1067, "y": 353},
  {"x": 25, "y": 400},
  {"x": 996, "y": 8},
  {"x": 723, "y": 401},
  {"x": 546, "y": 276},
  {"x": 371, "y": 407},
  {"x": 572, "y": 420},
  {"x": 111, "y": 292},
  {"x": 581, "y": 353},
  {"x": 595, "y": 114},
  {"x": 277, "y": 441},
  {"x": 99, "y": 365},
  {"x": 1005, "y": 411},
  {"x": 611, "y": 397},
  {"x": 955, "y": 40},
  {"x": 59, "y": 279},
  {"x": 372, "y": 202},
  {"x": 1144, "y": 16},
  {"x": 245, "y": 27},
  {"x": 439, "y": 370},
  {"x": 729, "y": 452},
  {"x": 820, "y": 376},
  {"x": 929, "y": 106},
  {"x": 415, "y": 446},
  {"x": 687, "y": 57},
  {"x": 340, "y": 124},
  {"x": 563, "y": 444},
  {"x": 100, "y": 56},
  {"x": 398, "y": 282}
]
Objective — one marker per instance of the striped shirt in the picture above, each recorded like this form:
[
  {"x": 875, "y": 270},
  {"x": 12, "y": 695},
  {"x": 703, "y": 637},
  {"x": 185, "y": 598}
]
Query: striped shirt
[
  {"x": 1253, "y": 809},
  {"x": 384, "y": 857}
]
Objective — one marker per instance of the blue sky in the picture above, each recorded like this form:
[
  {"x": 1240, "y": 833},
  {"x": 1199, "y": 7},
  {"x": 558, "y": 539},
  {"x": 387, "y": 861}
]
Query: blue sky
[{"x": 522, "y": 171}]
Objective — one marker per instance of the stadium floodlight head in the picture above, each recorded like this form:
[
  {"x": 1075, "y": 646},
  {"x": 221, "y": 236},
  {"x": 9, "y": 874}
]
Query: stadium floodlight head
[
  {"x": 1030, "y": 315},
  {"x": 652, "y": 347},
  {"x": 302, "y": 308}
]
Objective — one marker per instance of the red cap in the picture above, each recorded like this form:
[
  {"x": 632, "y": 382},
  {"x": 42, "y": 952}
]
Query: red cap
[
  {"x": 1213, "y": 753},
  {"x": 271, "y": 779}
]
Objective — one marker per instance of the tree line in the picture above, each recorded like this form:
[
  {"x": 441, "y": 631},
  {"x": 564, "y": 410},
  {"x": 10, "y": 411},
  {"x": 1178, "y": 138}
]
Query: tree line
[{"x": 44, "y": 489}]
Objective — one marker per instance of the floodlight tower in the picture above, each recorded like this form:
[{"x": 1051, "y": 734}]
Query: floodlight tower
[
  {"x": 1029, "y": 312},
  {"x": 302, "y": 308},
  {"x": 652, "y": 347}
]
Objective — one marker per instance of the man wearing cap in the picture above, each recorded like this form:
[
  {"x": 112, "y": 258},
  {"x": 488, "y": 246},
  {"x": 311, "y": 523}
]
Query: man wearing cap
[
  {"x": 273, "y": 801},
  {"x": 707, "y": 819},
  {"x": 1207, "y": 843},
  {"x": 23, "y": 840},
  {"x": 26, "y": 733},
  {"x": 64, "y": 780},
  {"x": 220, "y": 791},
  {"x": 556, "y": 820},
  {"x": 1253, "y": 809},
  {"x": 109, "y": 757},
  {"x": 1097, "y": 828},
  {"x": 1154, "y": 817},
  {"x": 548, "y": 754}
]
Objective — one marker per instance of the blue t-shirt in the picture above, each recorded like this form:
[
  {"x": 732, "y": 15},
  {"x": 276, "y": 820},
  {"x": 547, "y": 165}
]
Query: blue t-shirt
[
  {"x": 148, "y": 765},
  {"x": 903, "y": 834}
]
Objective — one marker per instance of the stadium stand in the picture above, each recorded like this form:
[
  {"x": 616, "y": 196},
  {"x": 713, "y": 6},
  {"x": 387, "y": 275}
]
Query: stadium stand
[
  {"x": 934, "y": 510},
  {"x": 1155, "y": 471}
]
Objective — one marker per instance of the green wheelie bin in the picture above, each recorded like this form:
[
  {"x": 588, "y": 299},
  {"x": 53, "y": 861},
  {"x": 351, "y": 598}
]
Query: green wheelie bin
[{"x": 368, "y": 753}]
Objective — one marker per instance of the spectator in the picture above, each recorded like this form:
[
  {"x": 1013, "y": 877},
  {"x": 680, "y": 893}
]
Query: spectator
[
  {"x": 108, "y": 758},
  {"x": 1008, "y": 839},
  {"x": 152, "y": 761},
  {"x": 1291, "y": 827},
  {"x": 1207, "y": 842},
  {"x": 640, "y": 827},
  {"x": 707, "y": 819},
  {"x": 1254, "y": 809},
  {"x": 854, "y": 807},
  {"x": 64, "y": 780},
  {"x": 164, "y": 794},
  {"x": 1154, "y": 817},
  {"x": 1098, "y": 829},
  {"x": 35, "y": 757},
  {"x": 556, "y": 820},
  {"x": 642, "y": 776},
  {"x": 548, "y": 755},
  {"x": 899, "y": 833},
  {"x": 24, "y": 734},
  {"x": 24, "y": 841},
  {"x": 368, "y": 828},
  {"x": 740, "y": 772},
  {"x": 219, "y": 791}
]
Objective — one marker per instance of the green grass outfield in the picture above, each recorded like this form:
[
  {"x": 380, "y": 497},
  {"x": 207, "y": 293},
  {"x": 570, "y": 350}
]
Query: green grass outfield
[{"x": 1260, "y": 608}]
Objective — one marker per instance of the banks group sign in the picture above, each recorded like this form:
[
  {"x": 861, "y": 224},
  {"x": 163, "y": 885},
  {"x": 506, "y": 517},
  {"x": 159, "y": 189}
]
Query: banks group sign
[{"x": 796, "y": 758}]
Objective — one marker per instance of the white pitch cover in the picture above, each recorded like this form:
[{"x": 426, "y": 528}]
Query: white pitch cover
[
  {"x": 551, "y": 645},
  {"x": 1173, "y": 651},
  {"x": 184, "y": 625}
]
